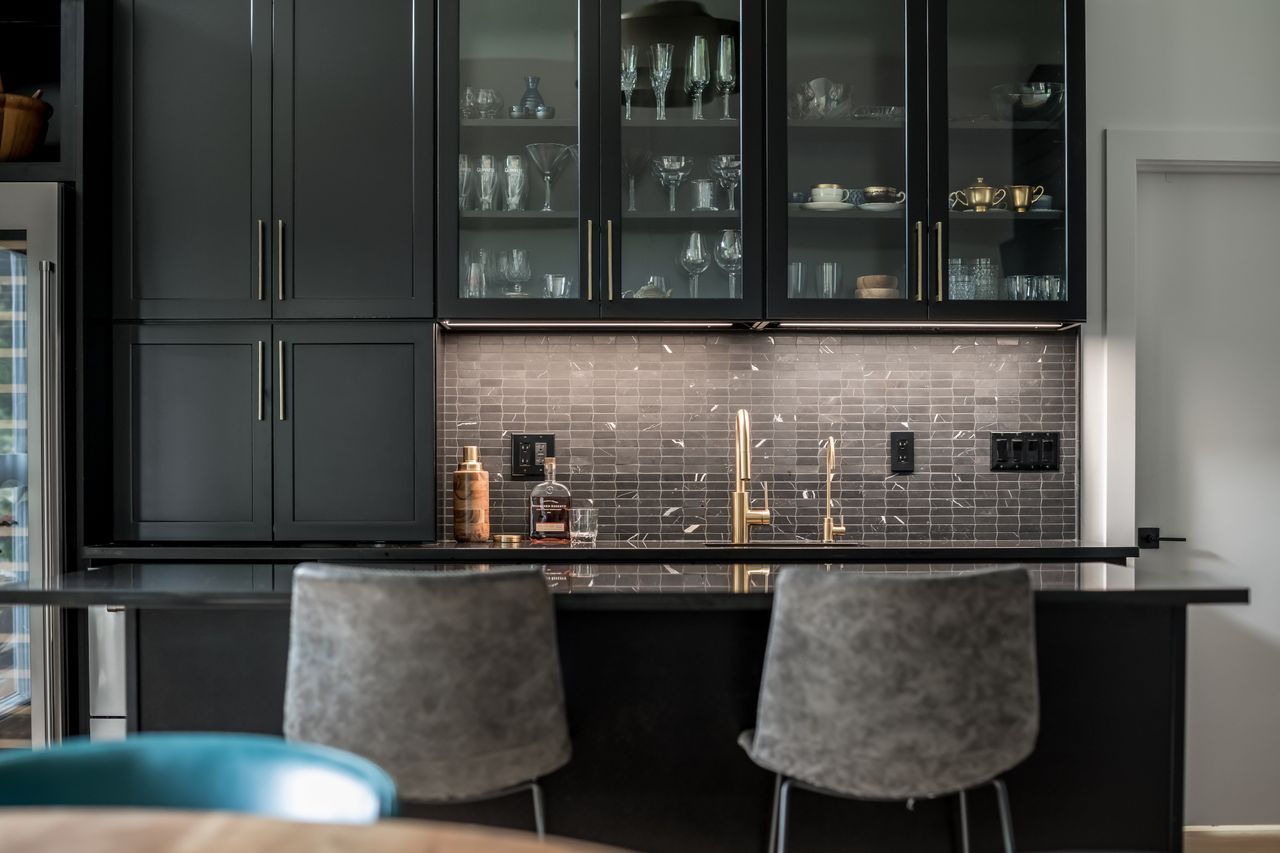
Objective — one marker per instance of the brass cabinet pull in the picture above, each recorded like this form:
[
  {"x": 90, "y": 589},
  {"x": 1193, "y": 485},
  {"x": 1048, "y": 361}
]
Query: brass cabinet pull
[
  {"x": 941, "y": 271},
  {"x": 589, "y": 227},
  {"x": 609, "y": 258},
  {"x": 280, "y": 374},
  {"x": 280, "y": 259},
  {"x": 262, "y": 259},
  {"x": 261, "y": 378},
  {"x": 919, "y": 261}
]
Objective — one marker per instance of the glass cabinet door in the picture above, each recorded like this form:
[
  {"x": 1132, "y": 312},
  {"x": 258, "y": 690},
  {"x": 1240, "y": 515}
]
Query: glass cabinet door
[
  {"x": 511, "y": 112},
  {"x": 682, "y": 236},
  {"x": 1000, "y": 223},
  {"x": 848, "y": 115}
]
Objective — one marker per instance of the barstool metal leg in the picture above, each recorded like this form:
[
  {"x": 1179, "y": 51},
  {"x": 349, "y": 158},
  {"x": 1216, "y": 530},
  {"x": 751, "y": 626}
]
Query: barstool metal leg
[
  {"x": 783, "y": 795},
  {"x": 539, "y": 819},
  {"x": 773, "y": 820},
  {"x": 964, "y": 823},
  {"x": 1006, "y": 820}
]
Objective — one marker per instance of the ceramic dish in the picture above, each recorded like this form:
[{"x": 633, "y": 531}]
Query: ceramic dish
[
  {"x": 828, "y": 205},
  {"x": 877, "y": 293},
  {"x": 881, "y": 206}
]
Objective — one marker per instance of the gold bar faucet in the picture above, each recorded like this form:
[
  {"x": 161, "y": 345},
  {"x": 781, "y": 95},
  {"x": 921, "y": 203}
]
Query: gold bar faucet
[
  {"x": 744, "y": 517},
  {"x": 830, "y": 530}
]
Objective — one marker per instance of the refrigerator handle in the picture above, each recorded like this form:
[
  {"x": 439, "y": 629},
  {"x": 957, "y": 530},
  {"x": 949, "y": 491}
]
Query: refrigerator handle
[{"x": 51, "y": 488}]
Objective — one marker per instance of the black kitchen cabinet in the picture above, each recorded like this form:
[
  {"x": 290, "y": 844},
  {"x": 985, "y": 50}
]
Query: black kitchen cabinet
[
  {"x": 273, "y": 159},
  {"x": 955, "y": 128},
  {"x": 341, "y": 413},
  {"x": 192, "y": 434},
  {"x": 652, "y": 212},
  {"x": 354, "y": 432}
]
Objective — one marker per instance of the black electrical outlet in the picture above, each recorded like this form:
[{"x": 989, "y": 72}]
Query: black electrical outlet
[
  {"x": 902, "y": 452},
  {"x": 1025, "y": 451},
  {"x": 527, "y": 452}
]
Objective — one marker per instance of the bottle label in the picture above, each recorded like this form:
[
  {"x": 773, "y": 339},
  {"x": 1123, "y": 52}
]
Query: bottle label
[{"x": 549, "y": 527}]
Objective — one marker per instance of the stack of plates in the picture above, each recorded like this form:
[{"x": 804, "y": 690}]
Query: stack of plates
[{"x": 877, "y": 287}]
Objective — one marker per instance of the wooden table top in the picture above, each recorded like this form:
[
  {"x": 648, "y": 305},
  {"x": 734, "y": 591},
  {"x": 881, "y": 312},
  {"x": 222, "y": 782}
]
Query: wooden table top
[{"x": 58, "y": 830}]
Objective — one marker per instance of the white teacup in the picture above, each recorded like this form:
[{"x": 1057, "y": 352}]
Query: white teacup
[
  {"x": 1045, "y": 202},
  {"x": 829, "y": 192}
]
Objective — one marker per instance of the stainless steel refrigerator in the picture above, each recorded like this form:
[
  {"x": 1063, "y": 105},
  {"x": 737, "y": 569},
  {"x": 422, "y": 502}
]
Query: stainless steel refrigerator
[{"x": 30, "y": 458}]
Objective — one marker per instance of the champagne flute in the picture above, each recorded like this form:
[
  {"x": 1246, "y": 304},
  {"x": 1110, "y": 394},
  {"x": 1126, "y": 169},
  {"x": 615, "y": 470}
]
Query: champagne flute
[
  {"x": 697, "y": 74},
  {"x": 629, "y": 76},
  {"x": 660, "y": 75},
  {"x": 694, "y": 259},
  {"x": 729, "y": 257},
  {"x": 726, "y": 73},
  {"x": 634, "y": 160}
]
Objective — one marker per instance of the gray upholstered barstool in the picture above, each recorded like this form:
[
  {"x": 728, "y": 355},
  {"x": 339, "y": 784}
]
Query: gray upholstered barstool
[
  {"x": 896, "y": 688},
  {"x": 449, "y": 680}
]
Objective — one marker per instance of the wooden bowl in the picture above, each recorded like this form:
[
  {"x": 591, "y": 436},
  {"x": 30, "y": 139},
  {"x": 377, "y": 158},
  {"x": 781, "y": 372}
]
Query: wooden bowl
[
  {"x": 877, "y": 282},
  {"x": 23, "y": 124},
  {"x": 877, "y": 293}
]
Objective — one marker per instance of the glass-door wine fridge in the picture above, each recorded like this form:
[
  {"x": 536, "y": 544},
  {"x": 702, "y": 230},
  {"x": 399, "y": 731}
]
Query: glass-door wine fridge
[{"x": 30, "y": 457}]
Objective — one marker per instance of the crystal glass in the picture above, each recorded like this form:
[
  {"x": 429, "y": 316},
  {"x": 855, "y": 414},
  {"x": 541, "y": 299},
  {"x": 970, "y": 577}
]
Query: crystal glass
[
  {"x": 467, "y": 104},
  {"x": 635, "y": 161},
  {"x": 704, "y": 194},
  {"x": 584, "y": 524},
  {"x": 728, "y": 168},
  {"x": 671, "y": 170},
  {"x": 488, "y": 103},
  {"x": 555, "y": 286},
  {"x": 465, "y": 176},
  {"x": 729, "y": 257},
  {"x": 514, "y": 266},
  {"x": 487, "y": 182},
  {"x": 516, "y": 180},
  {"x": 660, "y": 75},
  {"x": 726, "y": 74},
  {"x": 629, "y": 75},
  {"x": 695, "y": 259},
  {"x": 697, "y": 74},
  {"x": 474, "y": 286},
  {"x": 549, "y": 158},
  {"x": 795, "y": 280},
  {"x": 828, "y": 279},
  {"x": 984, "y": 279}
]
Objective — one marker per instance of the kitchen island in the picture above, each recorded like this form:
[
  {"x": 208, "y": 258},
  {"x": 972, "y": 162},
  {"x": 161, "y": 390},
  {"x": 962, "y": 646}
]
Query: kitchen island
[{"x": 662, "y": 663}]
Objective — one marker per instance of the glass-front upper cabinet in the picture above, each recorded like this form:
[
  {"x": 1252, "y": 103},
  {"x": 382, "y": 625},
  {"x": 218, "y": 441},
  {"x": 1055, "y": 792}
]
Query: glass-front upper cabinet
[
  {"x": 1004, "y": 195},
  {"x": 847, "y": 185},
  {"x": 516, "y": 87},
  {"x": 682, "y": 160}
]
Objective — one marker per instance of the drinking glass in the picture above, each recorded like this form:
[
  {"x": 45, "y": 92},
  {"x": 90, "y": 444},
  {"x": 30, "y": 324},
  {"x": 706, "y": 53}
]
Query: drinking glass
[
  {"x": 660, "y": 75},
  {"x": 465, "y": 175},
  {"x": 671, "y": 170},
  {"x": 728, "y": 168},
  {"x": 984, "y": 279},
  {"x": 467, "y": 103},
  {"x": 634, "y": 160},
  {"x": 514, "y": 264},
  {"x": 704, "y": 194},
  {"x": 488, "y": 103},
  {"x": 697, "y": 74},
  {"x": 729, "y": 257},
  {"x": 549, "y": 158},
  {"x": 828, "y": 279},
  {"x": 695, "y": 260},
  {"x": 960, "y": 279},
  {"x": 629, "y": 76},
  {"x": 516, "y": 180},
  {"x": 474, "y": 286},
  {"x": 584, "y": 524},
  {"x": 795, "y": 280},
  {"x": 726, "y": 73},
  {"x": 557, "y": 286},
  {"x": 486, "y": 182}
]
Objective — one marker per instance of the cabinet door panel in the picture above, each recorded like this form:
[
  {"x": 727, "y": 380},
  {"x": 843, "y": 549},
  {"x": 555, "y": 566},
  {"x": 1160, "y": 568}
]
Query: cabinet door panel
[
  {"x": 193, "y": 442},
  {"x": 344, "y": 169},
  {"x": 354, "y": 433},
  {"x": 190, "y": 177}
]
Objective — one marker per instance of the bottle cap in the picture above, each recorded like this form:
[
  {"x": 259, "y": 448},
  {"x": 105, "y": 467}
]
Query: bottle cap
[{"x": 470, "y": 459}]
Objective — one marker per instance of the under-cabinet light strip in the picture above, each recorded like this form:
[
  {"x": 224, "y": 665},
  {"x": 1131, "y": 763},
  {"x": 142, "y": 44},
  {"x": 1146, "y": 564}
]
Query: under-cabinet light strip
[
  {"x": 578, "y": 324},
  {"x": 921, "y": 324}
]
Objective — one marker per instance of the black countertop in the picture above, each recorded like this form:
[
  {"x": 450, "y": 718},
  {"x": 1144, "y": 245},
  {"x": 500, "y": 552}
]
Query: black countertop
[
  {"x": 634, "y": 586},
  {"x": 630, "y": 551}
]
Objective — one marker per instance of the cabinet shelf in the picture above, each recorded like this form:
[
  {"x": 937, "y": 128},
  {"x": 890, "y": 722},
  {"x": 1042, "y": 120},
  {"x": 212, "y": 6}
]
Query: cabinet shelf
[
  {"x": 705, "y": 124},
  {"x": 818, "y": 126},
  {"x": 795, "y": 211},
  {"x": 516, "y": 123},
  {"x": 657, "y": 217},
  {"x": 1000, "y": 124},
  {"x": 1007, "y": 216},
  {"x": 521, "y": 217}
]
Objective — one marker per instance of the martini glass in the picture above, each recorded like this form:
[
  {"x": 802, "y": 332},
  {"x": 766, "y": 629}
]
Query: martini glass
[
  {"x": 549, "y": 158},
  {"x": 634, "y": 160},
  {"x": 671, "y": 170},
  {"x": 728, "y": 168}
]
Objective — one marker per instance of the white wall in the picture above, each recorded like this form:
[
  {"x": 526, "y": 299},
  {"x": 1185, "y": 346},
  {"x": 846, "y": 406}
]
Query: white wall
[{"x": 1171, "y": 65}]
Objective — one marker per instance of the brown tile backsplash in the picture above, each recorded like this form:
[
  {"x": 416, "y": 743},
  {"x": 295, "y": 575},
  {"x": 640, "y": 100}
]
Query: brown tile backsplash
[{"x": 643, "y": 427}]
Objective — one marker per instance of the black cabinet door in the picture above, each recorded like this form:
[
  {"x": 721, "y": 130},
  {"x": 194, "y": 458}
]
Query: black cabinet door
[
  {"x": 352, "y": 202},
  {"x": 354, "y": 448},
  {"x": 190, "y": 191},
  {"x": 192, "y": 435}
]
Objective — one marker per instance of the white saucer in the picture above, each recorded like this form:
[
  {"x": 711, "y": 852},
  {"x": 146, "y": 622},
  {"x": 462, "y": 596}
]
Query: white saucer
[
  {"x": 881, "y": 206},
  {"x": 827, "y": 205}
]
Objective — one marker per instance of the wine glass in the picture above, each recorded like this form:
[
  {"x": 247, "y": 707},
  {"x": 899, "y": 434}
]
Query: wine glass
[
  {"x": 728, "y": 168},
  {"x": 729, "y": 257},
  {"x": 697, "y": 74},
  {"x": 726, "y": 73},
  {"x": 629, "y": 76},
  {"x": 549, "y": 158},
  {"x": 634, "y": 160},
  {"x": 671, "y": 170},
  {"x": 465, "y": 174},
  {"x": 660, "y": 75},
  {"x": 694, "y": 259}
]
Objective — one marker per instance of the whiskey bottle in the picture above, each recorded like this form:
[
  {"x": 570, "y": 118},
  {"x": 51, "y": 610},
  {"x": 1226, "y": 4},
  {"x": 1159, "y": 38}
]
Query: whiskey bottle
[{"x": 549, "y": 509}]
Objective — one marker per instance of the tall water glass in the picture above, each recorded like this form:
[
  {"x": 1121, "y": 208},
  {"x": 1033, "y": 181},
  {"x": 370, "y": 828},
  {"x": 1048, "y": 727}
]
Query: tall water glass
[
  {"x": 828, "y": 279},
  {"x": 795, "y": 280}
]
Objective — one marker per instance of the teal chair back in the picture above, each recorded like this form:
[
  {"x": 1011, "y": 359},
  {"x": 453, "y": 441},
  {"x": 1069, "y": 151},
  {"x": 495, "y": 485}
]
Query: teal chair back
[{"x": 252, "y": 774}]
